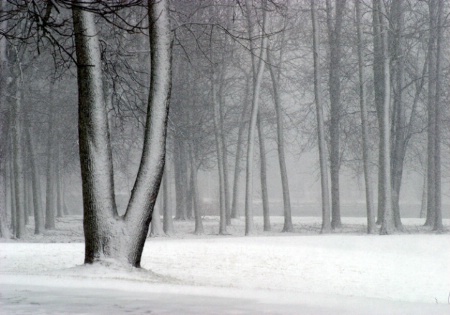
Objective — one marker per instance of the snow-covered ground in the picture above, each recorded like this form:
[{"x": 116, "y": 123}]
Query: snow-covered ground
[{"x": 271, "y": 273}]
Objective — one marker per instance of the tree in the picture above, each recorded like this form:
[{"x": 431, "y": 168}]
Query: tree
[
  {"x": 334, "y": 25},
  {"x": 326, "y": 223},
  {"x": 108, "y": 235},
  {"x": 364, "y": 126},
  {"x": 257, "y": 78}
]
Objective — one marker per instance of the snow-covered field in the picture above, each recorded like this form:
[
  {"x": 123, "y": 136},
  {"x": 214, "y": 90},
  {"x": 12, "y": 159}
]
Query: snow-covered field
[{"x": 271, "y": 273}]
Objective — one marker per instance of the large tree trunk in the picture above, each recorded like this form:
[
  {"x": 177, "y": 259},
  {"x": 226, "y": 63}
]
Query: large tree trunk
[
  {"x": 334, "y": 34},
  {"x": 365, "y": 130},
  {"x": 326, "y": 220},
  {"x": 109, "y": 236}
]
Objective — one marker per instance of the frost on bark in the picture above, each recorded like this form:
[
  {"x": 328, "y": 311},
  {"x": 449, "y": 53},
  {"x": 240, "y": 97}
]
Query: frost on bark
[
  {"x": 326, "y": 222},
  {"x": 365, "y": 130},
  {"x": 109, "y": 236},
  {"x": 334, "y": 25}
]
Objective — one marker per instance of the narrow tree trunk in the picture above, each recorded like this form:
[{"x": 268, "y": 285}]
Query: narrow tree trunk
[
  {"x": 431, "y": 146},
  {"x": 19, "y": 180},
  {"x": 12, "y": 186},
  {"x": 197, "y": 211},
  {"x": 180, "y": 187},
  {"x": 387, "y": 225},
  {"x": 334, "y": 32},
  {"x": 263, "y": 166},
  {"x": 326, "y": 220},
  {"x": 225, "y": 153},
  {"x": 287, "y": 227},
  {"x": 50, "y": 211},
  {"x": 219, "y": 152},
  {"x": 156, "y": 228},
  {"x": 437, "y": 224},
  {"x": 239, "y": 149},
  {"x": 167, "y": 210},
  {"x": 258, "y": 74},
  {"x": 365, "y": 130}
]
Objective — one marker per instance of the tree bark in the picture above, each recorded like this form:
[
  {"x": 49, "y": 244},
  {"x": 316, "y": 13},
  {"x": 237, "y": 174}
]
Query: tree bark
[{"x": 109, "y": 236}]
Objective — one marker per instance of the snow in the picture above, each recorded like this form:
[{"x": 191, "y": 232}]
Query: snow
[{"x": 272, "y": 273}]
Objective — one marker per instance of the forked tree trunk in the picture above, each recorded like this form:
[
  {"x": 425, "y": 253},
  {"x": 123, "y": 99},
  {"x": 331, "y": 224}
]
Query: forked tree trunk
[
  {"x": 108, "y": 236},
  {"x": 365, "y": 130},
  {"x": 326, "y": 219}
]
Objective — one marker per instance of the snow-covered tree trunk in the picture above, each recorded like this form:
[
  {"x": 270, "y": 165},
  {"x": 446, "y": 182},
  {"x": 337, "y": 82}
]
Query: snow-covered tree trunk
[
  {"x": 326, "y": 220},
  {"x": 109, "y": 236},
  {"x": 365, "y": 130},
  {"x": 257, "y": 78}
]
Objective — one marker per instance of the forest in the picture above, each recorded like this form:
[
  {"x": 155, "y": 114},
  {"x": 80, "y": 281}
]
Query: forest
[{"x": 123, "y": 122}]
